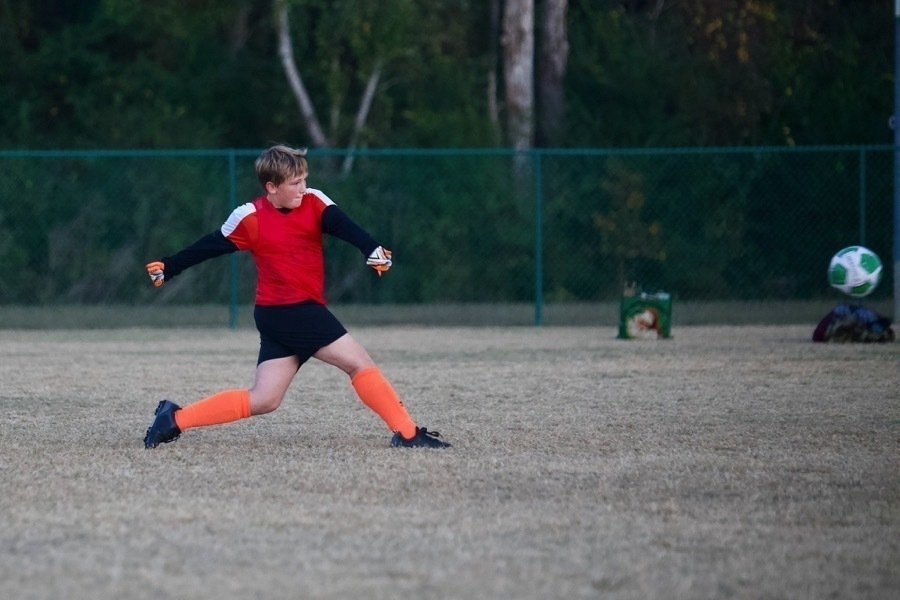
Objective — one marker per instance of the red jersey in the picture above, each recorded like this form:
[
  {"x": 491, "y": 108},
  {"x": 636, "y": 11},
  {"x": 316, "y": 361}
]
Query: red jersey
[{"x": 286, "y": 246}]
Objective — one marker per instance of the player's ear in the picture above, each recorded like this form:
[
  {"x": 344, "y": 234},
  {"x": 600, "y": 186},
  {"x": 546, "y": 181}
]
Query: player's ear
[{"x": 271, "y": 188}]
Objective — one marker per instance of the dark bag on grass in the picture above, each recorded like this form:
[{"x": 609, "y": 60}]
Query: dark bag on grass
[{"x": 853, "y": 323}]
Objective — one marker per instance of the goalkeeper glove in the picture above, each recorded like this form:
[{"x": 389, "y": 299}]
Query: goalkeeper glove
[
  {"x": 155, "y": 271},
  {"x": 380, "y": 260}
]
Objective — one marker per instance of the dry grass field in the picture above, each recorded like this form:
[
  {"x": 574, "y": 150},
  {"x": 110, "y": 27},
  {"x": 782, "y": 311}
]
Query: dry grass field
[{"x": 726, "y": 462}]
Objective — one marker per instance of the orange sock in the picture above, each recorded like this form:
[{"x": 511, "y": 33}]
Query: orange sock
[
  {"x": 377, "y": 393},
  {"x": 223, "y": 407}
]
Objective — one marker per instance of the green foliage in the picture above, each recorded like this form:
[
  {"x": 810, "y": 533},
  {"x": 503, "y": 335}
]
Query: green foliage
[
  {"x": 732, "y": 72},
  {"x": 106, "y": 74},
  {"x": 84, "y": 226},
  {"x": 625, "y": 235},
  {"x": 198, "y": 73},
  {"x": 124, "y": 78}
]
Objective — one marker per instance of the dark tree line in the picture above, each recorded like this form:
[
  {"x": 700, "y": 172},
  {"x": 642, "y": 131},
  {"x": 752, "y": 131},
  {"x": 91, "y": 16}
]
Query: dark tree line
[{"x": 208, "y": 73}]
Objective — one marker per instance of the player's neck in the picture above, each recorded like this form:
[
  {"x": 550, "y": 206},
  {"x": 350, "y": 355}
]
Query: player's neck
[{"x": 280, "y": 209}]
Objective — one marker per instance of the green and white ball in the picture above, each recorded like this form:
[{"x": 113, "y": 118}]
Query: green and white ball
[{"x": 855, "y": 270}]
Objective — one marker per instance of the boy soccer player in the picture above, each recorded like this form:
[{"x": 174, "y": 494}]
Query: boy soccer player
[{"x": 283, "y": 231}]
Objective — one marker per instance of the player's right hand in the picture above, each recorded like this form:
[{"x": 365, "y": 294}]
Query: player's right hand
[{"x": 156, "y": 271}]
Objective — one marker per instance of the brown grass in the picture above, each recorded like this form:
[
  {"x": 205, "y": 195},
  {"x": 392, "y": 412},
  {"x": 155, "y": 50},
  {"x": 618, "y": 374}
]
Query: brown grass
[{"x": 727, "y": 462}]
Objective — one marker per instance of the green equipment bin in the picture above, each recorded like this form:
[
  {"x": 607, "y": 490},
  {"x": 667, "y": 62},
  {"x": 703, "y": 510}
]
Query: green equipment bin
[{"x": 645, "y": 316}]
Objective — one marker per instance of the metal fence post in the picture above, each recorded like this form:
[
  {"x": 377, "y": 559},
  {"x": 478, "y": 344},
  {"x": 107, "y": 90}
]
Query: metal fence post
[
  {"x": 896, "y": 240},
  {"x": 538, "y": 240},
  {"x": 862, "y": 196}
]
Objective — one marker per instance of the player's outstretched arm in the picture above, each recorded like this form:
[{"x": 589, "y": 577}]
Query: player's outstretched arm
[{"x": 209, "y": 246}]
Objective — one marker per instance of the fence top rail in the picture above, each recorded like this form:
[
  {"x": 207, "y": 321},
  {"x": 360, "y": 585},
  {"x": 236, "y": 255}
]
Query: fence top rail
[{"x": 252, "y": 152}]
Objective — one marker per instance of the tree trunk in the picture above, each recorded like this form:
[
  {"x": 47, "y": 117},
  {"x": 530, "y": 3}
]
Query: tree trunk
[
  {"x": 518, "y": 61},
  {"x": 494, "y": 61},
  {"x": 554, "y": 55}
]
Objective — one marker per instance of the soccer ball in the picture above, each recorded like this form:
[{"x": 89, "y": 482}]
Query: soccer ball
[{"x": 855, "y": 270}]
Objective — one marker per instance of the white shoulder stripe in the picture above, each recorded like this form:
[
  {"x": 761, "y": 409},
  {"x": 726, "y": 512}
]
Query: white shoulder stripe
[
  {"x": 237, "y": 215},
  {"x": 321, "y": 196}
]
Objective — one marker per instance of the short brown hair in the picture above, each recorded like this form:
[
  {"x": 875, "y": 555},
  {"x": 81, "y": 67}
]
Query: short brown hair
[{"x": 280, "y": 163}]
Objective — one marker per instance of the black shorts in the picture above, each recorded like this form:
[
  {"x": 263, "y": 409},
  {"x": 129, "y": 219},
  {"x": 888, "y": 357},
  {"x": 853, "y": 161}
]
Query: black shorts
[{"x": 295, "y": 330}]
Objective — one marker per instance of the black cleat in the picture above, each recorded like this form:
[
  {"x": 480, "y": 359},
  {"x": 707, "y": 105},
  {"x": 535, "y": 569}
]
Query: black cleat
[
  {"x": 422, "y": 439},
  {"x": 163, "y": 429}
]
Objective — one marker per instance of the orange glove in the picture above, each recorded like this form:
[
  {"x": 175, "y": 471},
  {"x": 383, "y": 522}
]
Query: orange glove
[
  {"x": 380, "y": 260},
  {"x": 156, "y": 272}
]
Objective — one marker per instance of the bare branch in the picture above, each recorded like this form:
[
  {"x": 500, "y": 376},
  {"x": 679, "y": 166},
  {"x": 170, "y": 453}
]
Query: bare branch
[
  {"x": 285, "y": 50},
  {"x": 362, "y": 114}
]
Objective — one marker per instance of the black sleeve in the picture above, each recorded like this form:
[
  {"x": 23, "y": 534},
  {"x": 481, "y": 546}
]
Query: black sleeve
[
  {"x": 336, "y": 222},
  {"x": 209, "y": 246}
]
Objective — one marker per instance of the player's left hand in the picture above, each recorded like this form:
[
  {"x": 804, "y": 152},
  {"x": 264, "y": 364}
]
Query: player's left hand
[
  {"x": 380, "y": 260},
  {"x": 156, "y": 271}
]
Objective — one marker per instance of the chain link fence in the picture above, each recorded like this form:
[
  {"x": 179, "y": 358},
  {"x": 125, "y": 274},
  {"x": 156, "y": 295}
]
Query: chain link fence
[{"x": 541, "y": 236}]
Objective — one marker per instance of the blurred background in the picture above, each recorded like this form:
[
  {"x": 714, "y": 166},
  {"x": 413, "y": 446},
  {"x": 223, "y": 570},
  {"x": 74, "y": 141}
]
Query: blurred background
[{"x": 524, "y": 159}]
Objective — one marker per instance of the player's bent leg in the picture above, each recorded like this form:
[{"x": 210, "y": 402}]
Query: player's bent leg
[
  {"x": 272, "y": 380},
  {"x": 273, "y": 377}
]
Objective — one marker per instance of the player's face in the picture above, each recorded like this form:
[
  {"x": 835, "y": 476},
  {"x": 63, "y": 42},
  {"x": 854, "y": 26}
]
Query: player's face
[{"x": 288, "y": 193}]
